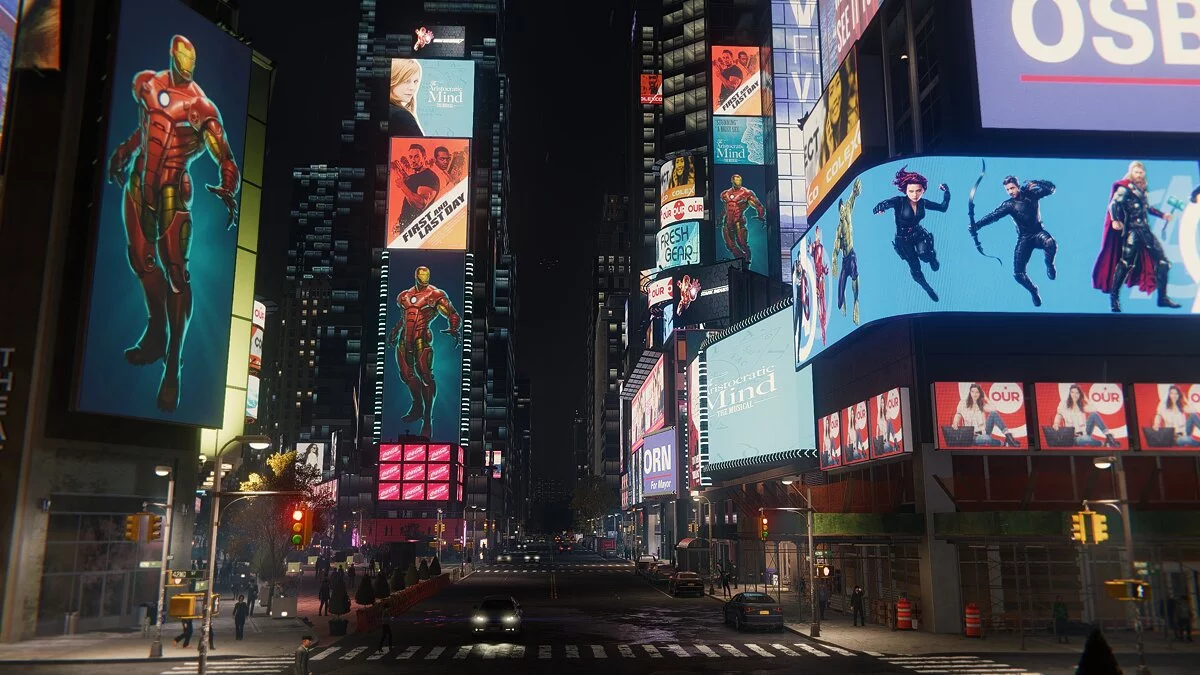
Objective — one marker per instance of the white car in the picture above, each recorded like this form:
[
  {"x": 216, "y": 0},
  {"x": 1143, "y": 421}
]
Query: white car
[{"x": 504, "y": 557}]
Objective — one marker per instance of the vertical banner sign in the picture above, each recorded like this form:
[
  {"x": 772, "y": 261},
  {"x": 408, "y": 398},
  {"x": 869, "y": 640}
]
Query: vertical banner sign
[
  {"x": 648, "y": 407},
  {"x": 829, "y": 438},
  {"x": 832, "y": 135},
  {"x": 1081, "y": 415},
  {"x": 738, "y": 140},
  {"x": 693, "y": 426},
  {"x": 888, "y": 422},
  {"x": 677, "y": 179},
  {"x": 797, "y": 86},
  {"x": 651, "y": 89},
  {"x": 980, "y": 415},
  {"x": 428, "y": 180},
  {"x": 858, "y": 437},
  {"x": 843, "y": 22},
  {"x": 736, "y": 86},
  {"x": 429, "y": 97},
  {"x": 1167, "y": 415}
]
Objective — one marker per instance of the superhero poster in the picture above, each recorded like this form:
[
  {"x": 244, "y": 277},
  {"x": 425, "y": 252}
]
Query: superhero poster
[
  {"x": 428, "y": 193},
  {"x": 829, "y": 440},
  {"x": 1081, "y": 415},
  {"x": 858, "y": 435},
  {"x": 1168, "y": 415},
  {"x": 888, "y": 423},
  {"x": 423, "y": 338},
  {"x": 980, "y": 416},
  {"x": 162, "y": 278},
  {"x": 1006, "y": 235},
  {"x": 742, "y": 229},
  {"x": 736, "y": 85}
]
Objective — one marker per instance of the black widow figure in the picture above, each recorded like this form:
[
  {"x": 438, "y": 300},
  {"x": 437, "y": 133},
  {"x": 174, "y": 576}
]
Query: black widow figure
[{"x": 914, "y": 243}]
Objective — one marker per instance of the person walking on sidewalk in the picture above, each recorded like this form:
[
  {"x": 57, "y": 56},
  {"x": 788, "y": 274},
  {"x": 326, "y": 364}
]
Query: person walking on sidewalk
[
  {"x": 300, "y": 664},
  {"x": 350, "y": 577},
  {"x": 822, "y": 600},
  {"x": 253, "y": 596},
  {"x": 186, "y": 635},
  {"x": 323, "y": 595},
  {"x": 1059, "y": 611},
  {"x": 857, "y": 602},
  {"x": 1183, "y": 618},
  {"x": 385, "y": 635},
  {"x": 725, "y": 576},
  {"x": 240, "y": 610}
]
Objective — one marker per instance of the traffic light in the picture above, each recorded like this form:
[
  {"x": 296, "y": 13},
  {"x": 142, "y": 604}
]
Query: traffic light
[
  {"x": 297, "y": 525},
  {"x": 154, "y": 531},
  {"x": 1078, "y": 529},
  {"x": 1099, "y": 527},
  {"x": 763, "y": 531},
  {"x": 133, "y": 527}
]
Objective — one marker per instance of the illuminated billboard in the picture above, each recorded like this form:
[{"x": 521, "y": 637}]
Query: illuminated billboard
[
  {"x": 1090, "y": 66},
  {"x": 842, "y": 24},
  {"x": 39, "y": 42},
  {"x": 917, "y": 256},
  {"x": 857, "y": 435},
  {"x": 156, "y": 268},
  {"x": 796, "y": 88},
  {"x": 495, "y": 464},
  {"x": 659, "y": 292},
  {"x": 678, "y": 244},
  {"x": 648, "y": 409},
  {"x": 980, "y": 415},
  {"x": 431, "y": 97},
  {"x": 440, "y": 41},
  {"x": 1167, "y": 416},
  {"x": 660, "y": 464},
  {"x": 693, "y": 424},
  {"x": 756, "y": 404},
  {"x": 889, "y": 423},
  {"x": 427, "y": 197},
  {"x": 252, "y": 392},
  {"x": 423, "y": 371},
  {"x": 832, "y": 136},
  {"x": 651, "y": 89},
  {"x": 311, "y": 455},
  {"x": 259, "y": 318},
  {"x": 829, "y": 440},
  {"x": 677, "y": 179},
  {"x": 741, "y": 226},
  {"x": 702, "y": 294},
  {"x": 419, "y": 472},
  {"x": 736, "y": 85},
  {"x": 256, "y": 348},
  {"x": 1081, "y": 415},
  {"x": 679, "y": 210},
  {"x": 738, "y": 140}
]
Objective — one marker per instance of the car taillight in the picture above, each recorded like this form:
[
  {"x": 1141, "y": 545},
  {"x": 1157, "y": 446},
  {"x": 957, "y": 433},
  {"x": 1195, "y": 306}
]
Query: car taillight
[
  {"x": 777, "y": 610},
  {"x": 748, "y": 610}
]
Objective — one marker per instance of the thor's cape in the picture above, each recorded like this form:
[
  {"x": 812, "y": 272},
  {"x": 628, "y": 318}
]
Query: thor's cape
[{"x": 1142, "y": 273}]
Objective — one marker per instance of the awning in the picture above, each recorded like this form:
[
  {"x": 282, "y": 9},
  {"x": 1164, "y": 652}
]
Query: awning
[{"x": 692, "y": 543}]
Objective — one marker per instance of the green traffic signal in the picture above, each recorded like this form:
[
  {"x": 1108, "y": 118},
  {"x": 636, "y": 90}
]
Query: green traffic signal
[{"x": 297, "y": 540}]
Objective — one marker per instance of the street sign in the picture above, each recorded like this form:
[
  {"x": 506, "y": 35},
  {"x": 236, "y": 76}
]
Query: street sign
[
  {"x": 186, "y": 574},
  {"x": 147, "y": 564},
  {"x": 1142, "y": 568}
]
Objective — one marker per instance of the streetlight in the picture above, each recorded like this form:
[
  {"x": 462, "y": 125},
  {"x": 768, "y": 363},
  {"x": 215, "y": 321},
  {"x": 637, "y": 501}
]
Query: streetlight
[
  {"x": 163, "y": 471},
  {"x": 257, "y": 443},
  {"x": 712, "y": 589},
  {"x": 1114, "y": 461},
  {"x": 815, "y": 627}
]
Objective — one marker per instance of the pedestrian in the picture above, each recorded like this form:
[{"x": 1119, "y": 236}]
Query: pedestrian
[
  {"x": 725, "y": 577},
  {"x": 734, "y": 574},
  {"x": 186, "y": 636},
  {"x": 386, "y": 628},
  {"x": 253, "y": 595},
  {"x": 822, "y": 600},
  {"x": 240, "y": 610},
  {"x": 1183, "y": 619},
  {"x": 857, "y": 601},
  {"x": 1059, "y": 611},
  {"x": 323, "y": 595},
  {"x": 300, "y": 664},
  {"x": 350, "y": 577}
]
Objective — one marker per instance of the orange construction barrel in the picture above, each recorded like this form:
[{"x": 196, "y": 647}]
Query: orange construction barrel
[
  {"x": 903, "y": 614},
  {"x": 972, "y": 622}
]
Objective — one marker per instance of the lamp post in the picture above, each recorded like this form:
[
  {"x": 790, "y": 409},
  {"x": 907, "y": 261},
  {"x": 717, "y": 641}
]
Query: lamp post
[
  {"x": 712, "y": 590},
  {"x": 814, "y": 627},
  {"x": 156, "y": 646},
  {"x": 1114, "y": 462},
  {"x": 258, "y": 443}
]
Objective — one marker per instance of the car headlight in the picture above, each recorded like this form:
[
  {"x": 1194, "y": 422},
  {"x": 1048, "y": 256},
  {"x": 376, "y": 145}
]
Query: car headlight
[
  {"x": 479, "y": 618},
  {"x": 511, "y": 618}
]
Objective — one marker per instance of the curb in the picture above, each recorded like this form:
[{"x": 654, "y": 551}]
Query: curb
[{"x": 144, "y": 659}]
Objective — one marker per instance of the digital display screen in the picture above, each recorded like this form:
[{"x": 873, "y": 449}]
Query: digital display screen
[
  {"x": 1074, "y": 415},
  {"x": 415, "y": 453},
  {"x": 741, "y": 227},
  {"x": 648, "y": 407},
  {"x": 842, "y": 24},
  {"x": 414, "y": 472},
  {"x": 430, "y": 97},
  {"x": 428, "y": 193},
  {"x": 829, "y": 438},
  {"x": 311, "y": 455},
  {"x": 437, "y": 492},
  {"x": 858, "y": 436},
  {"x": 412, "y": 492},
  {"x": 677, "y": 245},
  {"x": 832, "y": 135},
  {"x": 389, "y": 473},
  {"x": 389, "y": 492},
  {"x": 1167, "y": 415},
  {"x": 736, "y": 85},
  {"x": 738, "y": 140},
  {"x": 980, "y": 415},
  {"x": 660, "y": 468},
  {"x": 888, "y": 423},
  {"x": 693, "y": 427},
  {"x": 440, "y": 41},
  {"x": 702, "y": 294},
  {"x": 439, "y": 472},
  {"x": 391, "y": 453},
  {"x": 439, "y": 453},
  {"x": 677, "y": 178},
  {"x": 651, "y": 89}
]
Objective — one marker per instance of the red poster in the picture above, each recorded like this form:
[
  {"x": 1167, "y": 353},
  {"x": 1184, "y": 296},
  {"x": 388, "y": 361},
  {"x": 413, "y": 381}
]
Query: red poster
[
  {"x": 389, "y": 492},
  {"x": 413, "y": 492},
  {"x": 438, "y": 492},
  {"x": 414, "y": 453},
  {"x": 439, "y": 453},
  {"x": 389, "y": 472},
  {"x": 651, "y": 89},
  {"x": 1081, "y": 415},
  {"x": 414, "y": 472},
  {"x": 439, "y": 472},
  {"x": 980, "y": 415},
  {"x": 1167, "y": 416},
  {"x": 888, "y": 424},
  {"x": 390, "y": 453},
  {"x": 829, "y": 438},
  {"x": 858, "y": 438}
]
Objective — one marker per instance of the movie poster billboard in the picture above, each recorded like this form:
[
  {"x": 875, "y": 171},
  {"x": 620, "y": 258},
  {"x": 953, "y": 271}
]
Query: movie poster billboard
[
  {"x": 310, "y": 455},
  {"x": 431, "y": 97},
  {"x": 868, "y": 277},
  {"x": 423, "y": 368},
  {"x": 829, "y": 440},
  {"x": 660, "y": 467},
  {"x": 858, "y": 436},
  {"x": 1168, "y": 415},
  {"x": 742, "y": 229},
  {"x": 832, "y": 135},
  {"x": 651, "y": 89},
  {"x": 677, "y": 245},
  {"x": 428, "y": 193},
  {"x": 648, "y": 407},
  {"x": 738, "y": 140},
  {"x": 677, "y": 179},
  {"x": 736, "y": 85},
  {"x": 160, "y": 305},
  {"x": 980, "y": 415},
  {"x": 842, "y": 24},
  {"x": 432, "y": 41},
  {"x": 889, "y": 423},
  {"x": 1073, "y": 415}
]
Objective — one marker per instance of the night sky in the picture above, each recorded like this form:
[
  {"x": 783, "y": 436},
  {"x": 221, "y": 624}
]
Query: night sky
[{"x": 569, "y": 120}]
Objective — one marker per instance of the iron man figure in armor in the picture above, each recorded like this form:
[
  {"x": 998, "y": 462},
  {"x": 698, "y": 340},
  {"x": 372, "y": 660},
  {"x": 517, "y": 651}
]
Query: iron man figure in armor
[
  {"x": 176, "y": 124},
  {"x": 413, "y": 342},
  {"x": 737, "y": 198}
]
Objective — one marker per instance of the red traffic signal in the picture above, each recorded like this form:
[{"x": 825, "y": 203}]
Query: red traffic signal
[{"x": 300, "y": 527}]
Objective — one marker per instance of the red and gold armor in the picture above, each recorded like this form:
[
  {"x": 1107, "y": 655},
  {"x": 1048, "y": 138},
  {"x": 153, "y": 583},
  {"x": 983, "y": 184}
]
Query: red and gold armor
[
  {"x": 412, "y": 339},
  {"x": 176, "y": 124},
  {"x": 733, "y": 221}
]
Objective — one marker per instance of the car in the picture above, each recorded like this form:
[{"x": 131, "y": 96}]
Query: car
[
  {"x": 644, "y": 563},
  {"x": 504, "y": 557},
  {"x": 686, "y": 582},
  {"x": 753, "y": 610},
  {"x": 498, "y": 613},
  {"x": 564, "y": 548},
  {"x": 662, "y": 572},
  {"x": 530, "y": 556}
]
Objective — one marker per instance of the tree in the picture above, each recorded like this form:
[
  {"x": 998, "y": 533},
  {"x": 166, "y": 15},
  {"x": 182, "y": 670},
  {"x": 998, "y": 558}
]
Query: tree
[
  {"x": 382, "y": 590},
  {"x": 411, "y": 576},
  {"x": 339, "y": 600},
  {"x": 591, "y": 499},
  {"x": 366, "y": 592},
  {"x": 435, "y": 568},
  {"x": 397, "y": 582},
  {"x": 423, "y": 570}
]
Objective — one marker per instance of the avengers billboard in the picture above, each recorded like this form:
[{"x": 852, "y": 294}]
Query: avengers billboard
[
  {"x": 1167, "y": 415},
  {"x": 999, "y": 235},
  {"x": 423, "y": 334},
  {"x": 980, "y": 415},
  {"x": 741, "y": 225},
  {"x": 757, "y": 404},
  {"x": 1076, "y": 65},
  {"x": 842, "y": 24},
  {"x": 660, "y": 464},
  {"x": 677, "y": 245},
  {"x": 431, "y": 97},
  {"x": 428, "y": 181},
  {"x": 677, "y": 178},
  {"x": 1081, "y": 415},
  {"x": 159, "y": 301},
  {"x": 648, "y": 408},
  {"x": 797, "y": 87},
  {"x": 832, "y": 135},
  {"x": 738, "y": 140},
  {"x": 736, "y": 85}
]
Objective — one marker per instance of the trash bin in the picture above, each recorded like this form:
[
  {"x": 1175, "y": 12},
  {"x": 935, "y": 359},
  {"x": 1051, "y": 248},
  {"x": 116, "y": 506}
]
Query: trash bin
[
  {"x": 70, "y": 623},
  {"x": 139, "y": 614}
]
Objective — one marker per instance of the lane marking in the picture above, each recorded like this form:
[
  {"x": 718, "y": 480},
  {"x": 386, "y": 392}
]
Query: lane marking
[
  {"x": 544, "y": 651},
  {"x": 518, "y": 652},
  {"x": 572, "y": 652},
  {"x": 379, "y": 654},
  {"x": 652, "y": 651},
  {"x": 707, "y": 651},
  {"x": 599, "y": 652},
  {"x": 810, "y": 649},
  {"x": 625, "y": 651},
  {"x": 872, "y": 653},
  {"x": 733, "y": 650},
  {"x": 838, "y": 650},
  {"x": 434, "y": 653},
  {"x": 408, "y": 653},
  {"x": 759, "y": 650},
  {"x": 679, "y": 651},
  {"x": 326, "y": 652},
  {"x": 463, "y": 651},
  {"x": 353, "y": 653},
  {"x": 785, "y": 650}
]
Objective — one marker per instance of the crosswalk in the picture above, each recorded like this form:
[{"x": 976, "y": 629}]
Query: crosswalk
[
  {"x": 264, "y": 665},
  {"x": 955, "y": 665}
]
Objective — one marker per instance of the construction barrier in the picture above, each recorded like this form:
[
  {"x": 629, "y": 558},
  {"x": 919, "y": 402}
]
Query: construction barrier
[
  {"x": 904, "y": 614},
  {"x": 371, "y": 618},
  {"x": 972, "y": 624}
]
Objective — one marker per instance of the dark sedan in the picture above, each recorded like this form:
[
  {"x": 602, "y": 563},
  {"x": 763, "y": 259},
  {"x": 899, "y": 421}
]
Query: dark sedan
[
  {"x": 686, "y": 582},
  {"x": 753, "y": 610},
  {"x": 499, "y": 613}
]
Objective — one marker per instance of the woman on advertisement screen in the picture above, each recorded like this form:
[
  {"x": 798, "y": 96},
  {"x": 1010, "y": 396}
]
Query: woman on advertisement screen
[
  {"x": 974, "y": 411},
  {"x": 913, "y": 243},
  {"x": 1173, "y": 413},
  {"x": 1073, "y": 413},
  {"x": 885, "y": 435},
  {"x": 402, "y": 98}
]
